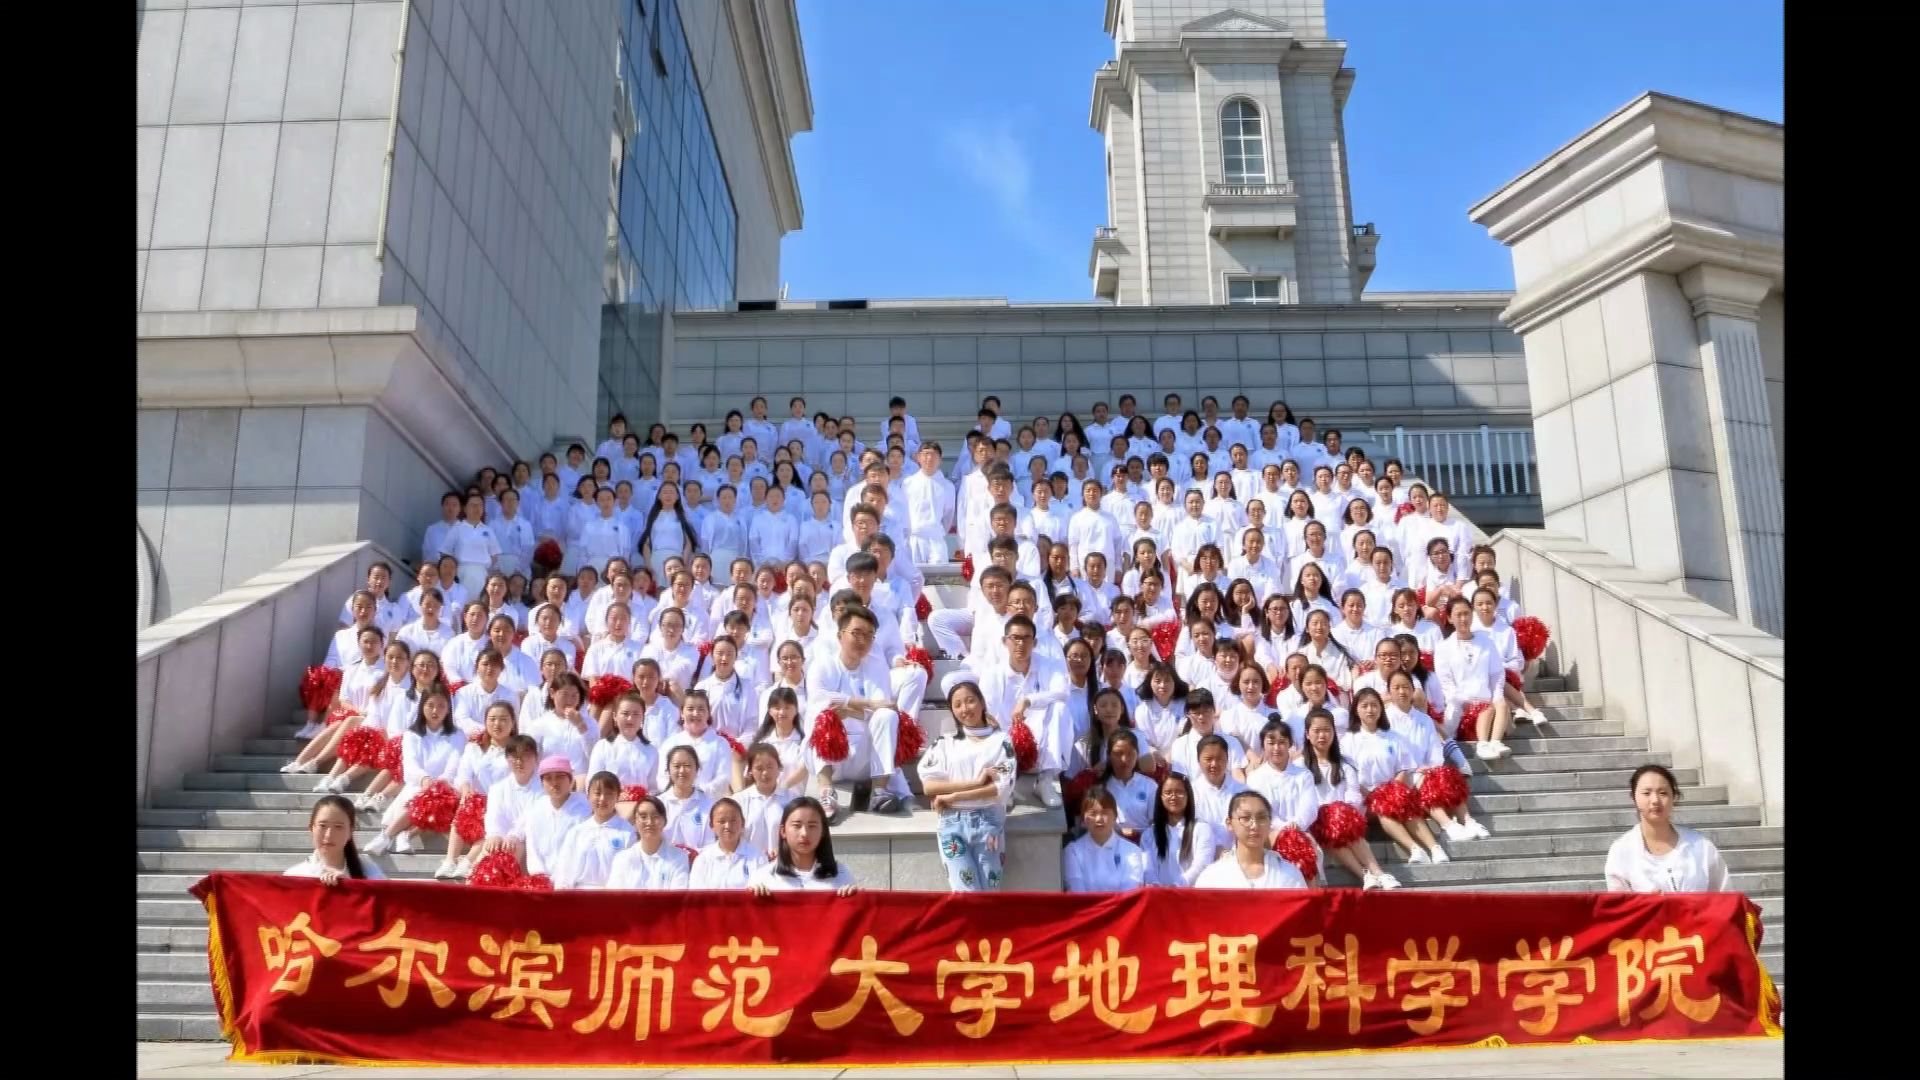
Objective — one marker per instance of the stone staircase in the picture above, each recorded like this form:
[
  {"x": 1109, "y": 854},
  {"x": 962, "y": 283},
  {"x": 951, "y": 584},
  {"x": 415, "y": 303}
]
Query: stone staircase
[{"x": 1553, "y": 808}]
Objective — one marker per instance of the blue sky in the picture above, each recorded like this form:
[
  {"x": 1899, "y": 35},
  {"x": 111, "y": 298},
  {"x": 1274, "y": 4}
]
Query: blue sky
[{"x": 951, "y": 155}]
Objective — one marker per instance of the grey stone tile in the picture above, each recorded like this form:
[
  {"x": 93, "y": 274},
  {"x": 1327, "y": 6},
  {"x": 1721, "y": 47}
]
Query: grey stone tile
[
  {"x": 315, "y": 78},
  {"x": 206, "y": 63},
  {"x": 262, "y": 50}
]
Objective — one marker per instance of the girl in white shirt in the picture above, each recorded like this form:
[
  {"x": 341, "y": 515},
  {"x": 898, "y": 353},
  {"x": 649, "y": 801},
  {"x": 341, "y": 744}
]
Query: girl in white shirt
[
  {"x": 780, "y": 730},
  {"x": 1410, "y": 618},
  {"x": 1438, "y": 578},
  {"x": 428, "y": 631},
  {"x": 430, "y": 750},
  {"x": 1288, "y": 787},
  {"x": 968, "y": 775},
  {"x": 1276, "y": 637},
  {"x": 1162, "y": 712},
  {"x": 1206, "y": 601},
  {"x": 688, "y": 809},
  {"x": 1102, "y": 860},
  {"x": 1341, "y": 825},
  {"x": 591, "y": 847},
  {"x": 1178, "y": 845},
  {"x": 1470, "y": 674},
  {"x": 760, "y": 799},
  {"x": 482, "y": 765},
  {"x": 667, "y": 531},
  {"x": 549, "y": 633},
  {"x": 334, "y": 858},
  {"x": 358, "y": 678},
  {"x": 624, "y": 751},
  {"x": 1134, "y": 792},
  {"x": 732, "y": 698},
  {"x": 1316, "y": 692},
  {"x": 1443, "y": 788},
  {"x": 1486, "y": 620},
  {"x": 728, "y": 862},
  {"x": 654, "y": 862},
  {"x": 1384, "y": 766},
  {"x": 804, "y": 860},
  {"x": 1250, "y": 863},
  {"x": 1202, "y": 721},
  {"x": 715, "y": 753},
  {"x": 1109, "y": 715},
  {"x": 1657, "y": 856},
  {"x": 1312, "y": 592},
  {"x": 1218, "y": 778},
  {"x": 394, "y": 672}
]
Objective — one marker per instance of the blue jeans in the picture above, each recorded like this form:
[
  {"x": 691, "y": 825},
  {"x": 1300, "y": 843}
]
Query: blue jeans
[{"x": 963, "y": 837}]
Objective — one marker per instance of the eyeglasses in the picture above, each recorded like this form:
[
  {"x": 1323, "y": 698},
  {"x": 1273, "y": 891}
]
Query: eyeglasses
[
  {"x": 859, "y": 635},
  {"x": 1017, "y": 639},
  {"x": 1252, "y": 819}
]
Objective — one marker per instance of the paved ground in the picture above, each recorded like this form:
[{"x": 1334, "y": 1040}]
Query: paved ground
[{"x": 1737, "y": 1058}]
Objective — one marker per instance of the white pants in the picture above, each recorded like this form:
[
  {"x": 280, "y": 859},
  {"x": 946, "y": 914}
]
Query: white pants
[
  {"x": 1052, "y": 729},
  {"x": 473, "y": 578},
  {"x": 909, "y": 685},
  {"x": 928, "y": 544},
  {"x": 870, "y": 748},
  {"x": 952, "y": 628}
]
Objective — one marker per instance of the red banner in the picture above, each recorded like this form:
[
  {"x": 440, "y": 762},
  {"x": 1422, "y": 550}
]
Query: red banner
[{"x": 389, "y": 972}]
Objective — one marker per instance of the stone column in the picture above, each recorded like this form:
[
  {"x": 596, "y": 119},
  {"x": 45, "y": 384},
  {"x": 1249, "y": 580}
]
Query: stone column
[{"x": 1725, "y": 309}]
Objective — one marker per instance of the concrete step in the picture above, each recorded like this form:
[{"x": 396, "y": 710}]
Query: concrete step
[
  {"x": 176, "y": 1027},
  {"x": 1579, "y": 728},
  {"x": 1552, "y": 761},
  {"x": 1600, "y": 780},
  {"x": 1609, "y": 822},
  {"x": 1758, "y": 881},
  {"x": 1589, "y": 843},
  {"x": 179, "y": 909},
  {"x": 1533, "y": 740},
  {"x": 177, "y": 997},
  {"x": 1551, "y": 867},
  {"x": 164, "y": 938},
  {"x": 1585, "y": 800},
  {"x": 172, "y": 965}
]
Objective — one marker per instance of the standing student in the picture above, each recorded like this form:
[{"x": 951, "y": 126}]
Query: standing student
[
  {"x": 968, "y": 775},
  {"x": 652, "y": 863},
  {"x": 689, "y": 809},
  {"x": 1250, "y": 864},
  {"x": 1179, "y": 846},
  {"x": 804, "y": 860},
  {"x": 1656, "y": 855},
  {"x": 1134, "y": 792},
  {"x": 730, "y": 861},
  {"x": 472, "y": 543}
]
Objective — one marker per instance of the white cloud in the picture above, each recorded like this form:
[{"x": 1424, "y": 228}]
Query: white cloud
[{"x": 993, "y": 157}]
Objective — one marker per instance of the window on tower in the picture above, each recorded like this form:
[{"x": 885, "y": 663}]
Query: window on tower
[
  {"x": 1253, "y": 290},
  {"x": 1243, "y": 145}
]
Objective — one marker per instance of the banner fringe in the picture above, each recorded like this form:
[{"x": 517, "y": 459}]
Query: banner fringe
[
  {"x": 222, "y": 981},
  {"x": 1769, "y": 993}
]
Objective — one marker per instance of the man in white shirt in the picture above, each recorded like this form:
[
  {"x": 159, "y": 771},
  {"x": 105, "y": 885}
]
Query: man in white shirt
[
  {"x": 1240, "y": 428},
  {"x": 515, "y": 533},
  {"x": 930, "y": 502},
  {"x": 978, "y": 527},
  {"x": 856, "y": 685},
  {"x": 908, "y": 679},
  {"x": 1092, "y": 531},
  {"x": 1032, "y": 690},
  {"x": 434, "y": 542}
]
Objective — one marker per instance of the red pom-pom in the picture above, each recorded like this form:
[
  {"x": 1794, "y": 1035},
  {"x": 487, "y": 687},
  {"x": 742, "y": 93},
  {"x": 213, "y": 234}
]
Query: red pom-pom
[
  {"x": 1339, "y": 825},
  {"x": 1439, "y": 718},
  {"x": 1076, "y": 790},
  {"x": 1513, "y": 680},
  {"x": 922, "y": 608},
  {"x": 519, "y": 636},
  {"x": 1394, "y": 800},
  {"x": 829, "y": 737},
  {"x": 496, "y": 870},
  {"x": 705, "y": 649},
  {"x": 692, "y": 853},
  {"x": 779, "y": 581},
  {"x": 454, "y": 688},
  {"x": 547, "y": 553},
  {"x": 338, "y": 713},
  {"x": 1026, "y": 752},
  {"x": 362, "y": 746},
  {"x": 966, "y": 568},
  {"x": 1469, "y": 729},
  {"x": 470, "y": 821},
  {"x": 1420, "y": 596},
  {"x": 479, "y": 738},
  {"x": 579, "y": 659},
  {"x": 1165, "y": 637},
  {"x": 922, "y": 657},
  {"x": 1161, "y": 771},
  {"x": 1273, "y": 692},
  {"x": 537, "y": 883},
  {"x": 1443, "y": 788},
  {"x": 1362, "y": 668},
  {"x": 912, "y": 740},
  {"x": 1294, "y": 846},
  {"x": 1402, "y": 511},
  {"x": 391, "y": 758},
  {"x": 605, "y": 688},
  {"x": 433, "y": 808},
  {"x": 738, "y": 750},
  {"x": 318, "y": 687},
  {"x": 1532, "y": 636},
  {"x": 1426, "y": 661},
  {"x": 633, "y": 793}
]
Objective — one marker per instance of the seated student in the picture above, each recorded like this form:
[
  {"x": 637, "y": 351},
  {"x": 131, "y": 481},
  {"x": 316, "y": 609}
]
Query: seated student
[
  {"x": 334, "y": 858},
  {"x": 651, "y": 862},
  {"x": 588, "y": 853},
  {"x": 543, "y": 828},
  {"x": 1250, "y": 863},
  {"x": 804, "y": 859},
  {"x": 1102, "y": 860},
  {"x": 731, "y": 860},
  {"x": 510, "y": 797}
]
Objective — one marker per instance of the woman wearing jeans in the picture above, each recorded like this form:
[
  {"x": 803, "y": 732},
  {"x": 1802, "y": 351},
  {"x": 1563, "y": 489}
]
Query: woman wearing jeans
[{"x": 969, "y": 777}]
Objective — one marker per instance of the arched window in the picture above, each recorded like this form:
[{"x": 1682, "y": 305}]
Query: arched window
[{"x": 1243, "y": 146}]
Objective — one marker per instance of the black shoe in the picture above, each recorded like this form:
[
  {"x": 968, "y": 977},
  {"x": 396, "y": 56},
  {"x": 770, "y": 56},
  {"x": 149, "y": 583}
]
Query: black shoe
[{"x": 862, "y": 797}]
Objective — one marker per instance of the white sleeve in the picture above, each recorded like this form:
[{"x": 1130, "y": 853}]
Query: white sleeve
[
  {"x": 1205, "y": 849},
  {"x": 1716, "y": 870},
  {"x": 1616, "y": 871},
  {"x": 1070, "y": 870}
]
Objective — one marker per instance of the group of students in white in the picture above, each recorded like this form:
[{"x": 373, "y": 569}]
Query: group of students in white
[{"x": 1329, "y": 630}]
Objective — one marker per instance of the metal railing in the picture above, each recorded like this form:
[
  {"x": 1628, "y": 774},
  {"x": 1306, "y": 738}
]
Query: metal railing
[
  {"x": 1464, "y": 461},
  {"x": 1282, "y": 188},
  {"x": 1363, "y": 230},
  {"x": 1105, "y": 232}
]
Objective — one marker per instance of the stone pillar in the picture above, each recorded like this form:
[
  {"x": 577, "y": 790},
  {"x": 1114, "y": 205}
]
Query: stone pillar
[{"x": 1726, "y": 305}]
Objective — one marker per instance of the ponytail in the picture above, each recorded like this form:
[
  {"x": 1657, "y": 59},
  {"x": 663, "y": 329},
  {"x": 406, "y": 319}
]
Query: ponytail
[{"x": 354, "y": 869}]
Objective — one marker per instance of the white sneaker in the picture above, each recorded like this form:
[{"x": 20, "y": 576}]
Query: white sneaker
[
  {"x": 1049, "y": 785},
  {"x": 1502, "y": 749},
  {"x": 463, "y": 869},
  {"x": 830, "y": 802},
  {"x": 1369, "y": 881},
  {"x": 1479, "y": 831},
  {"x": 1388, "y": 881},
  {"x": 310, "y": 730},
  {"x": 1418, "y": 856},
  {"x": 288, "y": 767},
  {"x": 376, "y": 804},
  {"x": 403, "y": 844},
  {"x": 378, "y": 846},
  {"x": 1457, "y": 832},
  {"x": 325, "y": 784},
  {"x": 448, "y": 870},
  {"x": 1440, "y": 856},
  {"x": 1486, "y": 751},
  {"x": 306, "y": 766}
]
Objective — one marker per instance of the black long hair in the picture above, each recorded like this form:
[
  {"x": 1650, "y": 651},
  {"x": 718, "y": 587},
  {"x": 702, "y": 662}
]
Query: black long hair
[
  {"x": 679, "y": 511},
  {"x": 779, "y": 694},
  {"x": 1160, "y": 822},
  {"x": 1311, "y": 760},
  {"x": 351, "y": 854},
  {"x": 825, "y": 868},
  {"x": 419, "y": 726}
]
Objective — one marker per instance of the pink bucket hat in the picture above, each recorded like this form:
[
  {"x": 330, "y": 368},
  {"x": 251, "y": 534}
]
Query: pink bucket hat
[{"x": 554, "y": 763}]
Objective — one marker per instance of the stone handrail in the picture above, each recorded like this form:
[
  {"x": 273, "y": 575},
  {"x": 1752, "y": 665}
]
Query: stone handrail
[
  {"x": 1250, "y": 190},
  {"x": 206, "y": 677},
  {"x": 1702, "y": 685}
]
